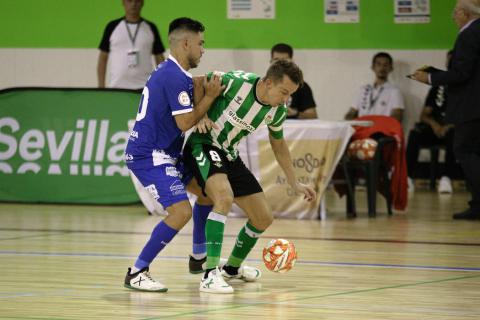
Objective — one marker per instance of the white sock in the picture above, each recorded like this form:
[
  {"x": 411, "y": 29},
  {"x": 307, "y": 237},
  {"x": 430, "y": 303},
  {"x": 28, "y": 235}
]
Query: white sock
[
  {"x": 134, "y": 270},
  {"x": 199, "y": 256}
]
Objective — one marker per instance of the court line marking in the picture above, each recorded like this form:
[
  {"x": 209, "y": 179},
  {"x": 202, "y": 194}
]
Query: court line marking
[
  {"x": 343, "y": 293},
  {"x": 472, "y": 244},
  {"x": 47, "y": 233},
  {"x": 303, "y": 262}
]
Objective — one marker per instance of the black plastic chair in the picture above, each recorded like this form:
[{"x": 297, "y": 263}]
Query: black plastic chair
[{"x": 372, "y": 169}]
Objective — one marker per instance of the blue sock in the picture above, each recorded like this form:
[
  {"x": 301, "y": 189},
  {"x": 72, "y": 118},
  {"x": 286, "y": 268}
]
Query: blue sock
[
  {"x": 161, "y": 236},
  {"x": 200, "y": 215}
]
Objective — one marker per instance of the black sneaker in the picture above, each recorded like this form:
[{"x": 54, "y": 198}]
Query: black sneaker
[
  {"x": 142, "y": 281},
  {"x": 196, "y": 266},
  {"x": 467, "y": 215}
]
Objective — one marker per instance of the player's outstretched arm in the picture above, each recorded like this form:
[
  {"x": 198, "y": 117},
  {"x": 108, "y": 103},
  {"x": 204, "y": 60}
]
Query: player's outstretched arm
[
  {"x": 284, "y": 159},
  {"x": 213, "y": 88}
]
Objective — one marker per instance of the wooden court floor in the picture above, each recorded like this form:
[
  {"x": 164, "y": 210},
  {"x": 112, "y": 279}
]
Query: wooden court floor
[{"x": 68, "y": 262}]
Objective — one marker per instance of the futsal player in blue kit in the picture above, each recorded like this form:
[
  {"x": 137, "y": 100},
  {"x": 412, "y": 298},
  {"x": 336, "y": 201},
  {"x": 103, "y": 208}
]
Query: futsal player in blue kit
[{"x": 153, "y": 152}]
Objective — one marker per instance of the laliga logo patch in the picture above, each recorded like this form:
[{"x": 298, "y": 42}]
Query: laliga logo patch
[{"x": 184, "y": 99}]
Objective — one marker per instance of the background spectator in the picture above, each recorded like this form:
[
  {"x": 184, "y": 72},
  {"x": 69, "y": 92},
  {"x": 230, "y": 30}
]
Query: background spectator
[
  {"x": 433, "y": 129},
  {"x": 381, "y": 97},
  {"x": 301, "y": 105},
  {"x": 127, "y": 45}
]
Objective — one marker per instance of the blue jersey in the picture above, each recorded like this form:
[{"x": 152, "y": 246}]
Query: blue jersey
[{"x": 156, "y": 138}]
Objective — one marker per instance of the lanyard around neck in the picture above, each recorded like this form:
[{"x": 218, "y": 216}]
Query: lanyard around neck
[
  {"x": 374, "y": 100},
  {"x": 134, "y": 37}
]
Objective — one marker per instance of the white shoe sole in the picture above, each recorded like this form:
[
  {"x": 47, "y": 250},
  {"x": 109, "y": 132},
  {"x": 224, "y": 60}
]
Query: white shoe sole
[
  {"x": 224, "y": 290},
  {"x": 146, "y": 290}
]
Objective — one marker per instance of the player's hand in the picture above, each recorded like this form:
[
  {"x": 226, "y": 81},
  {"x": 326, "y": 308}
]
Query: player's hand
[
  {"x": 421, "y": 76},
  {"x": 308, "y": 193},
  {"x": 214, "y": 87},
  {"x": 204, "y": 125},
  {"x": 438, "y": 130}
]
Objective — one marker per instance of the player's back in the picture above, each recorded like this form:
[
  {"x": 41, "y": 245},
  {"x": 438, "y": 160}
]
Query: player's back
[{"x": 168, "y": 92}]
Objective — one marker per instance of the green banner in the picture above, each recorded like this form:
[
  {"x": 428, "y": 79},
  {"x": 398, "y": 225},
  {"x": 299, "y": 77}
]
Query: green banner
[{"x": 65, "y": 145}]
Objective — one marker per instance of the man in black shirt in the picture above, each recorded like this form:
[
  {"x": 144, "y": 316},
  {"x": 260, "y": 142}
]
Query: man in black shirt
[
  {"x": 301, "y": 104},
  {"x": 433, "y": 130}
]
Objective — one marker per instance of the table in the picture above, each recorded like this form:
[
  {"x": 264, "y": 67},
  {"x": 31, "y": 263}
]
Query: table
[{"x": 316, "y": 147}]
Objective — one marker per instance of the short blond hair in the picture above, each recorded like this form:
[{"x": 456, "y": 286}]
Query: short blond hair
[{"x": 473, "y": 6}]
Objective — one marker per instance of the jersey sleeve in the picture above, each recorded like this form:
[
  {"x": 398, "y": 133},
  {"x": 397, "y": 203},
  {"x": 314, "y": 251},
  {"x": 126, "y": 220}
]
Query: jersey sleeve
[
  {"x": 158, "y": 47},
  {"x": 276, "y": 126},
  {"x": 397, "y": 99},
  {"x": 178, "y": 92},
  {"x": 107, "y": 33}
]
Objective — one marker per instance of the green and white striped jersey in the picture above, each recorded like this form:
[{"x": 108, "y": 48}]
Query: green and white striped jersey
[{"x": 237, "y": 113}]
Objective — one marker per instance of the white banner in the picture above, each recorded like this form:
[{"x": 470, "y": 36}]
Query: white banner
[{"x": 315, "y": 146}]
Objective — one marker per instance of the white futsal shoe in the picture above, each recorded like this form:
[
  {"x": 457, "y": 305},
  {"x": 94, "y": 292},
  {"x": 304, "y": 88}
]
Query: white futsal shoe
[
  {"x": 143, "y": 281},
  {"x": 215, "y": 283},
  {"x": 245, "y": 273},
  {"x": 445, "y": 185}
]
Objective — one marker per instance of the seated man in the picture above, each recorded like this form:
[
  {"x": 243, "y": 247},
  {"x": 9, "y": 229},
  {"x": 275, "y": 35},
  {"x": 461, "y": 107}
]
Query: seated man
[
  {"x": 301, "y": 105},
  {"x": 381, "y": 97},
  {"x": 433, "y": 130}
]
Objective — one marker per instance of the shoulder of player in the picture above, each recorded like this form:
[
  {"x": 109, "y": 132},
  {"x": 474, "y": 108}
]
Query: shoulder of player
[
  {"x": 169, "y": 74},
  {"x": 152, "y": 25},
  {"x": 280, "y": 109},
  {"x": 241, "y": 75},
  {"x": 111, "y": 25}
]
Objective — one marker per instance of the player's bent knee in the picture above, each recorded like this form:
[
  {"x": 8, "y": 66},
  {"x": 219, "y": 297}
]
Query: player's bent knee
[
  {"x": 265, "y": 223},
  {"x": 222, "y": 198},
  {"x": 223, "y": 202},
  {"x": 178, "y": 214}
]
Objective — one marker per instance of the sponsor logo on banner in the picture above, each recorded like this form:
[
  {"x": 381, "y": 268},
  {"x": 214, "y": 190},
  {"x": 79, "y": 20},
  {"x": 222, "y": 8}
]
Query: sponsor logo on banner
[
  {"x": 308, "y": 162},
  {"x": 85, "y": 148},
  {"x": 312, "y": 161}
]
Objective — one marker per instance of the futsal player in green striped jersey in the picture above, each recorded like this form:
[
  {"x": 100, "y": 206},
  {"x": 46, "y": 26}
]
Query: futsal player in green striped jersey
[{"x": 248, "y": 102}]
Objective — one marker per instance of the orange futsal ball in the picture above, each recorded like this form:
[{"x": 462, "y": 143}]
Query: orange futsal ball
[{"x": 279, "y": 255}]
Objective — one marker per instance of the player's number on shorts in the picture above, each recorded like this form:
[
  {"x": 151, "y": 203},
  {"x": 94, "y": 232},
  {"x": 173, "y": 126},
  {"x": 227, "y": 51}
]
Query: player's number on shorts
[
  {"x": 142, "y": 108},
  {"x": 215, "y": 156}
]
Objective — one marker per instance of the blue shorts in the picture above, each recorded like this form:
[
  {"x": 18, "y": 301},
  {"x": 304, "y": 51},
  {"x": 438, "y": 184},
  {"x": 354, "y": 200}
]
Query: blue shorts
[{"x": 166, "y": 182}]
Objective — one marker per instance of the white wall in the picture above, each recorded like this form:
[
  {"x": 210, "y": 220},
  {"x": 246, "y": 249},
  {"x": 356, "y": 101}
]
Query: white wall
[{"x": 334, "y": 75}]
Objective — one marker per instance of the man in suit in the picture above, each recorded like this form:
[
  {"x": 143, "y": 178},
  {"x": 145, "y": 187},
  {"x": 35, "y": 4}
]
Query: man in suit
[{"x": 463, "y": 108}]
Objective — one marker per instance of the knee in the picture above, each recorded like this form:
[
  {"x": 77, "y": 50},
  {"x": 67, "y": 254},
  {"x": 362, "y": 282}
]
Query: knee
[
  {"x": 223, "y": 200},
  {"x": 183, "y": 217},
  {"x": 267, "y": 222},
  {"x": 263, "y": 222}
]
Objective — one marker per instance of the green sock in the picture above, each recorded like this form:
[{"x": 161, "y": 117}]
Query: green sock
[
  {"x": 246, "y": 240},
  {"x": 214, "y": 235}
]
